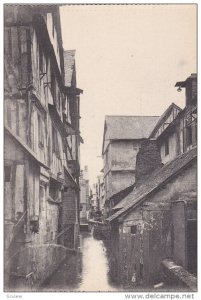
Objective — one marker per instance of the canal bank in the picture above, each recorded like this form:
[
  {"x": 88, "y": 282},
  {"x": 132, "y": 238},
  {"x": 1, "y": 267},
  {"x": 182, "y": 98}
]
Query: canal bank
[{"x": 86, "y": 271}]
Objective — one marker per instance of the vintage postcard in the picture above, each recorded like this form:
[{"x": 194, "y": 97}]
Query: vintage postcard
[{"x": 100, "y": 148}]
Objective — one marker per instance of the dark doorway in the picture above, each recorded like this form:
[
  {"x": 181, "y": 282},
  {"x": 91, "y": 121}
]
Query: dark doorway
[{"x": 192, "y": 246}]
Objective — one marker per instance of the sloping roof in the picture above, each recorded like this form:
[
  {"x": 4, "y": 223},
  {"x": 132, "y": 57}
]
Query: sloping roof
[
  {"x": 69, "y": 62},
  {"x": 122, "y": 194},
  {"x": 163, "y": 117},
  {"x": 129, "y": 127},
  {"x": 157, "y": 178}
]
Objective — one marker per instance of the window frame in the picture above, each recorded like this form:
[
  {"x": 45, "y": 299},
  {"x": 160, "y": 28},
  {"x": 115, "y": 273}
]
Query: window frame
[
  {"x": 41, "y": 137},
  {"x": 189, "y": 135},
  {"x": 55, "y": 142},
  {"x": 133, "y": 229}
]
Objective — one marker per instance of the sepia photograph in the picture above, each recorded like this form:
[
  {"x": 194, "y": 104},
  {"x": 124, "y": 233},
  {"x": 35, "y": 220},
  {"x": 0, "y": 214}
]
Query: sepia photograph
[{"x": 100, "y": 148}]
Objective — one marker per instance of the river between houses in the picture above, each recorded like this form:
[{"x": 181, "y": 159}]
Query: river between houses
[{"x": 88, "y": 271}]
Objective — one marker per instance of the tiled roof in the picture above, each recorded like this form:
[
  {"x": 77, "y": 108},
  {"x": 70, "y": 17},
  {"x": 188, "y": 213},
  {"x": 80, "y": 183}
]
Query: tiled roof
[
  {"x": 157, "y": 178},
  {"x": 122, "y": 194},
  {"x": 69, "y": 62},
  {"x": 129, "y": 127}
]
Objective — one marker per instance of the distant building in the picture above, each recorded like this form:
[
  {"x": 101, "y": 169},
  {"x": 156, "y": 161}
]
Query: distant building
[
  {"x": 93, "y": 198},
  {"x": 100, "y": 193},
  {"x": 122, "y": 139},
  {"x": 84, "y": 195}
]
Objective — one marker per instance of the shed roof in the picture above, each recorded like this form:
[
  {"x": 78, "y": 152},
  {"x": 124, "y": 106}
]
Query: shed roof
[
  {"x": 157, "y": 178},
  {"x": 69, "y": 62}
]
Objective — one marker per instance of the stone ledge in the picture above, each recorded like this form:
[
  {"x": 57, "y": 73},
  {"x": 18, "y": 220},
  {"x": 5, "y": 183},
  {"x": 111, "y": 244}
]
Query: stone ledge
[{"x": 177, "y": 273}]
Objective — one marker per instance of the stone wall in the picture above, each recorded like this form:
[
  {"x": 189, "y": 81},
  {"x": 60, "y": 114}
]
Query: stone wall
[{"x": 33, "y": 265}]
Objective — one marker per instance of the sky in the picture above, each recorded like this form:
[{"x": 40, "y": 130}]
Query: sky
[{"x": 128, "y": 59}]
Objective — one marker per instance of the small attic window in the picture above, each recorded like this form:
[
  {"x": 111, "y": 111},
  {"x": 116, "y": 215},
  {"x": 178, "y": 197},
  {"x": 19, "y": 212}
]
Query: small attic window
[{"x": 134, "y": 229}]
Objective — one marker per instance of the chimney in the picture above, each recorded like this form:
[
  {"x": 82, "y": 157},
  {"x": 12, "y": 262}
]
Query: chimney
[
  {"x": 190, "y": 84},
  {"x": 147, "y": 160}
]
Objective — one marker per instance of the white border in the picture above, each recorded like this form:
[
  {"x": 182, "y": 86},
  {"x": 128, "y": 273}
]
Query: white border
[{"x": 96, "y": 295}]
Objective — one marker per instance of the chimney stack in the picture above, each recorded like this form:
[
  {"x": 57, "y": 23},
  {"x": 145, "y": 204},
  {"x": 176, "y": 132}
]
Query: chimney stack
[
  {"x": 148, "y": 159},
  {"x": 190, "y": 84}
]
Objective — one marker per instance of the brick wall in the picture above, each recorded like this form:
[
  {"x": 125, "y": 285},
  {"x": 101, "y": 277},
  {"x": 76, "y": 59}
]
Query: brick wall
[{"x": 148, "y": 159}]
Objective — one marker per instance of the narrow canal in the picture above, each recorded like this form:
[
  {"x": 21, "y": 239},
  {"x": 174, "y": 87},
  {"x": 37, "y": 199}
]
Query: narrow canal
[{"x": 88, "y": 271}]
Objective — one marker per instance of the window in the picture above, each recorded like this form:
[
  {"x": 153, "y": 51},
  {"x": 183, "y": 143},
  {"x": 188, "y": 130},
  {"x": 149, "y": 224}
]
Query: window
[
  {"x": 40, "y": 60},
  {"x": 7, "y": 173},
  {"x": 8, "y": 114},
  {"x": 53, "y": 86},
  {"x": 54, "y": 189},
  {"x": 40, "y": 132},
  {"x": 189, "y": 139},
  {"x": 166, "y": 147},
  {"x": 134, "y": 229},
  {"x": 55, "y": 143}
]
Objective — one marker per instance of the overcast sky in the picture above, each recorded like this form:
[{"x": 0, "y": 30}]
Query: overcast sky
[{"x": 128, "y": 59}]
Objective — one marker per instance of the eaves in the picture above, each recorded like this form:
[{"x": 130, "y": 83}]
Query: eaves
[{"x": 21, "y": 143}]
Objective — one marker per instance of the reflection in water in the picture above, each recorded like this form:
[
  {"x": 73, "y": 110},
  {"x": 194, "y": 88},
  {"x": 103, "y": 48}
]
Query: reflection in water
[
  {"x": 95, "y": 266},
  {"x": 85, "y": 272}
]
